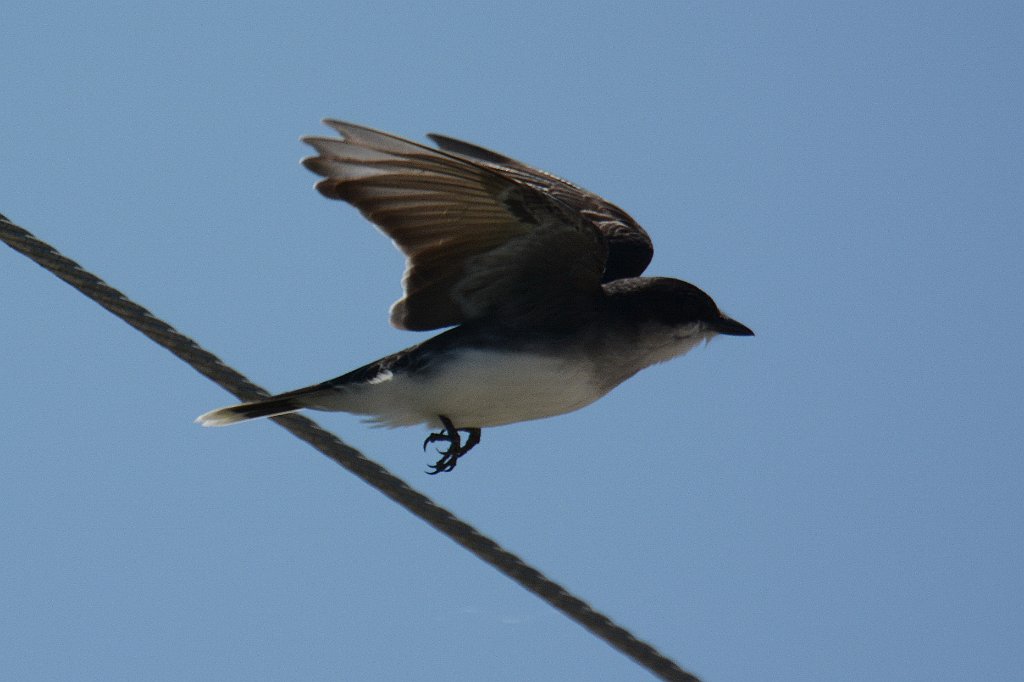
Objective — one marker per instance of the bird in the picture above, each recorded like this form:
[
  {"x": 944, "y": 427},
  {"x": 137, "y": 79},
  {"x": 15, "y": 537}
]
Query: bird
[{"x": 537, "y": 280}]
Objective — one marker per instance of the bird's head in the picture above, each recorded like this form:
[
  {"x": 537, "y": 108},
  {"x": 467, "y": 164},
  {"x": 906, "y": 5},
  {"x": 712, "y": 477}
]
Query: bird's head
[{"x": 673, "y": 303}]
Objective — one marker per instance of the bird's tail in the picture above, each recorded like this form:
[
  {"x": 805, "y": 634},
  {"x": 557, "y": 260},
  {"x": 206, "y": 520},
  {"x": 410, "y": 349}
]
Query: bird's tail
[{"x": 269, "y": 407}]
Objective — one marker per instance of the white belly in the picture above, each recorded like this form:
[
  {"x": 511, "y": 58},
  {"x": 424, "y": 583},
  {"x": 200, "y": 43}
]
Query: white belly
[{"x": 478, "y": 389}]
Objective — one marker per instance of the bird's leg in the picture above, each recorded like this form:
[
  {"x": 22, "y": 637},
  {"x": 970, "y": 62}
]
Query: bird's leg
[
  {"x": 456, "y": 449},
  {"x": 472, "y": 440},
  {"x": 448, "y": 433}
]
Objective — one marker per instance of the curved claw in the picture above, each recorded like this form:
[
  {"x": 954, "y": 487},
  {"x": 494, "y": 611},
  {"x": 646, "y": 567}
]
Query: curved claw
[
  {"x": 450, "y": 457},
  {"x": 443, "y": 464},
  {"x": 445, "y": 435}
]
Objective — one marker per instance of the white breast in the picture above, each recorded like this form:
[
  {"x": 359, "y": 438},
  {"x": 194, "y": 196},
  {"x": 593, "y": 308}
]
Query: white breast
[
  {"x": 476, "y": 388},
  {"x": 482, "y": 388}
]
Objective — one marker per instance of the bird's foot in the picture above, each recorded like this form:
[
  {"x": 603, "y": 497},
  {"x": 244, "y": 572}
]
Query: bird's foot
[{"x": 456, "y": 449}]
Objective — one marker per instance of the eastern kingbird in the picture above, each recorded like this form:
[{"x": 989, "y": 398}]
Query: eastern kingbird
[{"x": 538, "y": 278}]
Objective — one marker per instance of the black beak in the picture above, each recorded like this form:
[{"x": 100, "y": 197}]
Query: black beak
[{"x": 727, "y": 325}]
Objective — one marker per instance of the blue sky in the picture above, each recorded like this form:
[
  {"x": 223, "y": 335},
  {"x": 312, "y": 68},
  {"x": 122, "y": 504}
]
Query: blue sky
[{"x": 836, "y": 498}]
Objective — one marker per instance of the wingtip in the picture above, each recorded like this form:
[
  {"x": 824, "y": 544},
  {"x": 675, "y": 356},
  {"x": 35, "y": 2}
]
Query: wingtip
[
  {"x": 339, "y": 126},
  {"x": 347, "y": 130}
]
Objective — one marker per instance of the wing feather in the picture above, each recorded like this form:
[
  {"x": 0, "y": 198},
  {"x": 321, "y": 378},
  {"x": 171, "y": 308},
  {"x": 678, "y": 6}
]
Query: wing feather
[
  {"x": 479, "y": 243},
  {"x": 629, "y": 247}
]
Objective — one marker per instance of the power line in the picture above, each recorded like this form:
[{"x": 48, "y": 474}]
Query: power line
[{"x": 330, "y": 445}]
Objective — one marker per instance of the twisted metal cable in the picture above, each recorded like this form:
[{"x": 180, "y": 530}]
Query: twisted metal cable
[{"x": 330, "y": 445}]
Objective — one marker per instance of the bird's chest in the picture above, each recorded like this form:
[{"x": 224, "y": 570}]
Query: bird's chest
[{"x": 490, "y": 388}]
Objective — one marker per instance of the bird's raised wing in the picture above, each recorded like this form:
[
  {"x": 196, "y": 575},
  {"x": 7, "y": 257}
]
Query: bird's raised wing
[
  {"x": 479, "y": 243},
  {"x": 629, "y": 247}
]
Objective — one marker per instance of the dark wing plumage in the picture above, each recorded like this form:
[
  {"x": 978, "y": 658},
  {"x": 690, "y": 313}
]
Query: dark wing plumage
[
  {"x": 482, "y": 239},
  {"x": 629, "y": 247}
]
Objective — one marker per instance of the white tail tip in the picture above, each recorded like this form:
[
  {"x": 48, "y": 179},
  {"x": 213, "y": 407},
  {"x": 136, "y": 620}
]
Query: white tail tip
[{"x": 220, "y": 417}]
